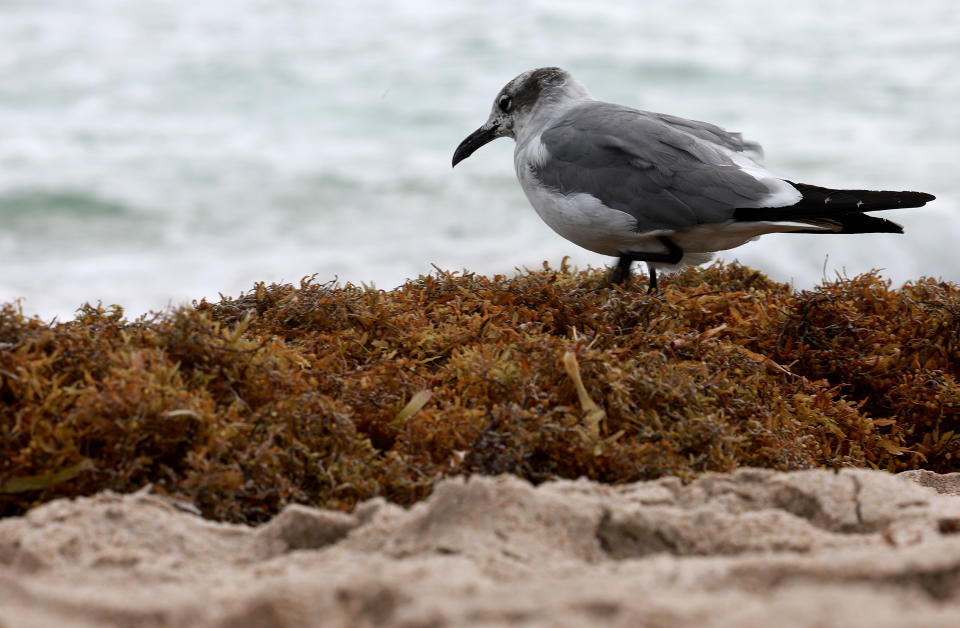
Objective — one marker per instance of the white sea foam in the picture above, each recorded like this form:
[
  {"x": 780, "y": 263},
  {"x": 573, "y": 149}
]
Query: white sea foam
[{"x": 156, "y": 153}]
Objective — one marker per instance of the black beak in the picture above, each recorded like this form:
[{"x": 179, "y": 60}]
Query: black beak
[{"x": 474, "y": 141}]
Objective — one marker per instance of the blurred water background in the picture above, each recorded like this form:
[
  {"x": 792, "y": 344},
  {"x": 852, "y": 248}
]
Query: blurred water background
[{"x": 154, "y": 152}]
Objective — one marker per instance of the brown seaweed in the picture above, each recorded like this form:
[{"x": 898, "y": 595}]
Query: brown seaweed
[{"x": 326, "y": 395}]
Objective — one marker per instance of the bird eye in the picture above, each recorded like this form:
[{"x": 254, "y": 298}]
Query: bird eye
[{"x": 505, "y": 103}]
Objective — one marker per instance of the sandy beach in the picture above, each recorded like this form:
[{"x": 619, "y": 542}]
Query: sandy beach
[{"x": 751, "y": 548}]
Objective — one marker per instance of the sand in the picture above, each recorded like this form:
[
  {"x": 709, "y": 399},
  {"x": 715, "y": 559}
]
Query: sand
[{"x": 751, "y": 548}]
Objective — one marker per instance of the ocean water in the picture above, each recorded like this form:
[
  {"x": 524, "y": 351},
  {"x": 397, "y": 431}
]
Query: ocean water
[{"x": 157, "y": 152}]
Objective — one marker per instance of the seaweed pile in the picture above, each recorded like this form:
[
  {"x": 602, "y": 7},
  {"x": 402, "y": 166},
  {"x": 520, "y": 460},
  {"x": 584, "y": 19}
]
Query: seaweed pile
[{"x": 325, "y": 394}]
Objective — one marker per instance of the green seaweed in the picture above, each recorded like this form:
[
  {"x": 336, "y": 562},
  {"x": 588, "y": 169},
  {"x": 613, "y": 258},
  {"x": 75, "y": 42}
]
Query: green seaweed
[{"x": 44, "y": 480}]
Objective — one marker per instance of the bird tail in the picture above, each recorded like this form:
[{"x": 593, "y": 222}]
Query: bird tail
[{"x": 838, "y": 211}]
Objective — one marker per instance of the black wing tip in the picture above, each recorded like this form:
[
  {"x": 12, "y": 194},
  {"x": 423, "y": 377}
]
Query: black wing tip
[
  {"x": 821, "y": 202},
  {"x": 879, "y": 225},
  {"x": 910, "y": 199},
  {"x": 857, "y": 222}
]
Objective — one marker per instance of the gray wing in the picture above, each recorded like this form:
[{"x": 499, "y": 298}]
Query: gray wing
[
  {"x": 709, "y": 132},
  {"x": 668, "y": 173}
]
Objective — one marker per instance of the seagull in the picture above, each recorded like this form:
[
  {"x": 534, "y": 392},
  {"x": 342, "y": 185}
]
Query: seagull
[{"x": 656, "y": 188}]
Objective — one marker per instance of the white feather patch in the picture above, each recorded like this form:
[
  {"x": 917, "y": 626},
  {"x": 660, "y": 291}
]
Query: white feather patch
[{"x": 782, "y": 194}]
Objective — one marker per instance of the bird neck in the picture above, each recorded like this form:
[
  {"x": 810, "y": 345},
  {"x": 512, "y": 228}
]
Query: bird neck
[{"x": 547, "y": 110}]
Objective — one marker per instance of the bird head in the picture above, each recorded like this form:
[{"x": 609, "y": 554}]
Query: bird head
[{"x": 530, "y": 95}]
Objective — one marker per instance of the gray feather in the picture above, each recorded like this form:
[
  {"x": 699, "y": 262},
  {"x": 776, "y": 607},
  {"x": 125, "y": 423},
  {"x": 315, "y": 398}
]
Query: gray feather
[{"x": 668, "y": 173}]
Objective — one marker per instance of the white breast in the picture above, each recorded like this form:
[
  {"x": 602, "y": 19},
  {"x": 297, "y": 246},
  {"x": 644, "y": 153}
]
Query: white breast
[{"x": 580, "y": 218}]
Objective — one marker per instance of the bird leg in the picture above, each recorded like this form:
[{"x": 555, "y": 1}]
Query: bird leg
[
  {"x": 652, "y": 273},
  {"x": 621, "y": 273}
]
